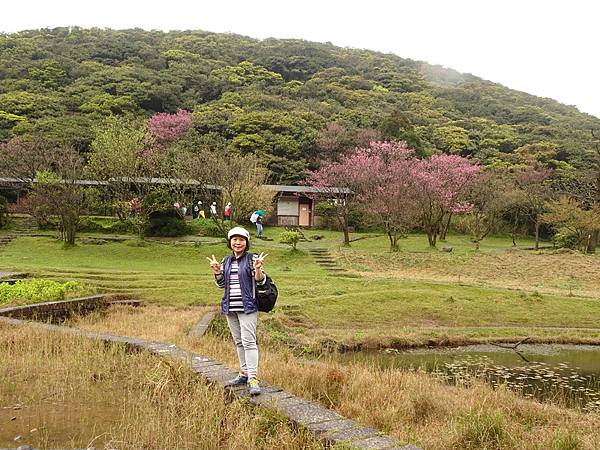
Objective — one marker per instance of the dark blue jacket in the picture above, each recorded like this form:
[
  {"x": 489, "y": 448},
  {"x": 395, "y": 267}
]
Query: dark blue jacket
[{"x": 246, "y": 283}]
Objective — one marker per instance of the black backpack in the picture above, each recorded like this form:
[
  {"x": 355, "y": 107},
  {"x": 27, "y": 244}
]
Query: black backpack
[{"x": 266, "y": 294}]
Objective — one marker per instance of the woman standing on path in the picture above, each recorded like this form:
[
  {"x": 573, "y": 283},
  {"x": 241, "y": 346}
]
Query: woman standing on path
[{"x": 237, "y": 274}]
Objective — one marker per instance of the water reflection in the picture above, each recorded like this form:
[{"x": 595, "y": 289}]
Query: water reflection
[{"x": 564, "y": 374}]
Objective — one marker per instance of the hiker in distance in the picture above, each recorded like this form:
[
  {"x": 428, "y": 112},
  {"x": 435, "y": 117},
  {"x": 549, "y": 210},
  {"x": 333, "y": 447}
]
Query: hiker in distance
[{"x": 237, "y": 274}]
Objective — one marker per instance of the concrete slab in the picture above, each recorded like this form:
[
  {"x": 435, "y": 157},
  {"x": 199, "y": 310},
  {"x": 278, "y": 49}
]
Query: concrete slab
[
  {"x": 331, "y": 426},
  {"x": 222, "y": 376},
  {"x": 356, "y": 432},
  {"x": 305, "y": 412},
  {"x": 377, "y": 442},
  {"x": 202, "y": 325},
  {"x": 268, "y": 399}
]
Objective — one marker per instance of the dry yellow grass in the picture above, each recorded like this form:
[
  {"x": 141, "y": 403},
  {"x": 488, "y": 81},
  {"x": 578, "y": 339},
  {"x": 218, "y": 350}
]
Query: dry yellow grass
[
  {"x": 556, "y": 272},
  {"x": 412, "y": 406},
  {"x": 65, "y": 391}
]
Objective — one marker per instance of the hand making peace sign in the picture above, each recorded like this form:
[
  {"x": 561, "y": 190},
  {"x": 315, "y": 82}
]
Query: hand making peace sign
[
  {"x": 214, "y": 264},
  {"x": 258, "y": 262}
]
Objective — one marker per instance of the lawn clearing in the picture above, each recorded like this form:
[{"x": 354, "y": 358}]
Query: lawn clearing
[{"x": 392, "y": 303}]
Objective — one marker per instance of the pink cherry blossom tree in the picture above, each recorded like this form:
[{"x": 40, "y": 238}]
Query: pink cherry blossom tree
[
  {"x": 376, "y": 178},
  {"x": 395, "y": 188},
  {"x": 168, "y": 128},
  {"x": 335, "y": 182},
  {"x": 385, "y": 187},
  {"x": 441, "y": 183}
]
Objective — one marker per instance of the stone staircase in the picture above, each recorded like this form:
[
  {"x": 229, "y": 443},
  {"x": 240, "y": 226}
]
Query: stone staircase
[
  {"x": 326, "y": 261},
  {"x": 7, "y": 239},
  {"x": 24, "y": 225}
]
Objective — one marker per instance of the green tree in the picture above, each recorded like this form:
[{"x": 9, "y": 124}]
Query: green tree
[
  {"x": 488, "y": 199},
  {"x": 246, "y": 73},
  {"x": 119, "y": 157},
  {"x": 534, "y": 184},
  {"x": 574, "y": 225},
  {"x": 50, "y": 74},
  {"x": 60, "y": 194},
  {"x": 241, "y": 180},
  {"x": 106, "y": 104},
  {"x": 452, "y": 139}
]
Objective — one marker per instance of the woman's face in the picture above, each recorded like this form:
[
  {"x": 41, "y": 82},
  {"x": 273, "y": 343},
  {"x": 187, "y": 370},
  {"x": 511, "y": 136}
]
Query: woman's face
[{"x": 238, "y": 244}]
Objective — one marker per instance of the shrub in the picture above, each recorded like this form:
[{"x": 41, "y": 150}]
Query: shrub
[
  {"x": 90, "y": 225},
  {"x": 121, "y": 226},
  {"x": 566, "y": 239},
  {"x": 105, "y": 225},
  {"x": 326, "y": 211},
  {"x": 290, "y": 237},
  {"x": 207, "y": 227},
  {"x": 35, "y": 291},
  {"x": 165, "y": 223}
]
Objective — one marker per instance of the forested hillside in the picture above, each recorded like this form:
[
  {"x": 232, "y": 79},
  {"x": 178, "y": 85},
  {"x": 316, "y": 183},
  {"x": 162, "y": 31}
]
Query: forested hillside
[{"x": 291, "y": 102}]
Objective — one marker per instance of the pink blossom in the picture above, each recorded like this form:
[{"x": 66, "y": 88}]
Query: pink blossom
[{"x": 168, "y": 128}]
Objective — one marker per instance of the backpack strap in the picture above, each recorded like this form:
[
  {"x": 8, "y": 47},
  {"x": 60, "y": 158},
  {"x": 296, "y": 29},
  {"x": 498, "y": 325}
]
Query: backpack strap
[{"x": 250, "y": 263}]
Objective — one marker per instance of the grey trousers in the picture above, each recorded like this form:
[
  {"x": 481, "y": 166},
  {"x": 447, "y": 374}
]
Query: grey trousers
[{"x": 243, "y": 331}]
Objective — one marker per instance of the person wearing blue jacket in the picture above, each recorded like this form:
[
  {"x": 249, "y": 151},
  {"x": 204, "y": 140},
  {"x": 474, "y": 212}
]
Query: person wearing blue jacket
[{"x": 238, "y": 274}]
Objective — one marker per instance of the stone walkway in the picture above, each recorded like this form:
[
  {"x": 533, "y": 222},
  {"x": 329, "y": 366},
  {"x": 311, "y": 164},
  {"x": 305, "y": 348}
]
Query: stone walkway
[
  {"x": 12, "y": 277},
  {"x": 4, "y": 275},
  {"x": 324, "y": 423}
]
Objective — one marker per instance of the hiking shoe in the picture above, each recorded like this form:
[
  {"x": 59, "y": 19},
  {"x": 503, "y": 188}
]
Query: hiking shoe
[
  {"x": 239, "y": 380},
  {"x": 253, "y": 387}
]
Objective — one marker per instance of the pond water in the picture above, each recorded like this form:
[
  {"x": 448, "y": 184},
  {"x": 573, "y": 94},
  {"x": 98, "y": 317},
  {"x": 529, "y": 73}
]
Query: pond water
[
  {"x": 56, "y": 424},
  {"x": 566, "y": 374}
]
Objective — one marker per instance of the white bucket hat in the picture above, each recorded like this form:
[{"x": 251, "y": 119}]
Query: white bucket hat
[{"x": 238, "y": 231}]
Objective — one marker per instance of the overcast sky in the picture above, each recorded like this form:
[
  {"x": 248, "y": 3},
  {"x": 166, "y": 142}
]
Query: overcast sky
[{"x": 547, "y": 48}]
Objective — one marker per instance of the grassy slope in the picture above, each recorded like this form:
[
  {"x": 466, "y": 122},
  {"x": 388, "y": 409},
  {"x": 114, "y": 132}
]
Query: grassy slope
[{"x": 412, "y": 297}]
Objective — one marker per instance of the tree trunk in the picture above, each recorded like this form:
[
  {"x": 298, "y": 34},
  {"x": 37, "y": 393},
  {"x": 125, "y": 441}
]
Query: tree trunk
[
  {"x": 592, "y": 242},
  {"x": 537, "y": 234},
  {"x": 344, "y": 225},
  {"x": 393, "y": 241},
  {"x": 432, "y": 237},
  {"x": 445, "y": 228},
  {"x": 69, "y": 226},
  {"x": 346, "y": 237},
  {"x": 514, "y": 231}
]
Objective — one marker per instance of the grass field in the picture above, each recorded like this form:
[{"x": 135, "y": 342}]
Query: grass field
[{"x": 414, "y": 297}]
